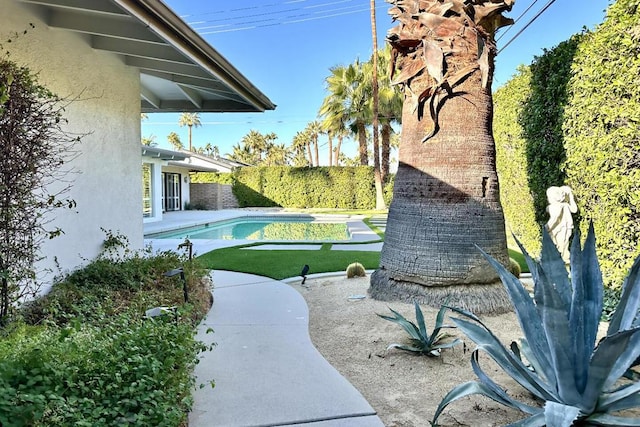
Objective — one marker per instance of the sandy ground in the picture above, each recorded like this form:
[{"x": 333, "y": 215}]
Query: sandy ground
[{"x": 403, "y": 388}]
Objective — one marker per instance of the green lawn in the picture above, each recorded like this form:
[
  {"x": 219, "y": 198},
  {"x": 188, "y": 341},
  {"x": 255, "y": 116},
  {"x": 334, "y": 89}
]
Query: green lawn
[{"x": 281, "y": 264}]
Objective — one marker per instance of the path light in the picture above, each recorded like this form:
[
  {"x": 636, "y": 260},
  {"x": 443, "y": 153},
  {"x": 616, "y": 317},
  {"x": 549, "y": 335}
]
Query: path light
[
  {"x": 179, "y": 271},
  {"x": 304, "y": 272}
]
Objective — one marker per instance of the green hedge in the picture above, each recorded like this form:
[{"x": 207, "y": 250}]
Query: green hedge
[
  {"x": 320, "y": 187},
  {"x": 577, "y": 110},
  {"x": 602, "y": 136},
  {"x": 211, "y": 177},
  {"x": 511, "y": 160}
]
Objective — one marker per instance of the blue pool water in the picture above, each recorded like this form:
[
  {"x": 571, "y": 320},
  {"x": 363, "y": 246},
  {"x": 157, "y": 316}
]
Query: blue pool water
[{"x": 262, "y": 228}]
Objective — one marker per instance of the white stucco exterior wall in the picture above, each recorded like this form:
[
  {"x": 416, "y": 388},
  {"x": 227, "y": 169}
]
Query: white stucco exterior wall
[{"x": 108, "y": 187}]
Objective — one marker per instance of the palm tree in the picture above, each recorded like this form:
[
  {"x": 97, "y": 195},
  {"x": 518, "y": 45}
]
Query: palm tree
[
  {"x": 190, "y": 120},
  {"x": 390, "y": 109},
  {"x": 374, "y": 97},
  {"x": 348, "y": 99},
  {"x": 149, "y": 140},
  {"x": 277, "y": 155},
  {"x": 445, "y": 197},
  {"x": 314, "y": 130},
  {"x": 299, "y": 147},
  {"x": 174, "y": 140}
]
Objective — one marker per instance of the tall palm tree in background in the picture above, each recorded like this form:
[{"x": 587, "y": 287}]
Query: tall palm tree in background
[
  {"x": 299, "y": 148},
  {"x": 348, "y": 99},
  {"x": 389, "y": 109},
  {"x": 190, "y": 120},
  {"x": 445, "y": 196},
  {"x": 174, "y": 140},
  {"x": 377, "y": 176},
  {"x": 314, "y": 130}
]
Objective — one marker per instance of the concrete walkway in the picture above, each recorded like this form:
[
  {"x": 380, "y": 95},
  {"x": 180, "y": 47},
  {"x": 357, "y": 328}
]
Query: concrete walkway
[{"x": 266, "y": 370}]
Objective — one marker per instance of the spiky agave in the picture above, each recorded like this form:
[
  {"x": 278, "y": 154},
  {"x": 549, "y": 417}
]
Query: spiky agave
[
  {"x": 577, "y": 378},
  {"x": 421, "y": 341}
]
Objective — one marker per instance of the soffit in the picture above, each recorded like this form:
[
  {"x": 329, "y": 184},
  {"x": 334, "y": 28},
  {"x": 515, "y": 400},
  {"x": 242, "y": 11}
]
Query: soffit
[{"x": 179, "y": 71}]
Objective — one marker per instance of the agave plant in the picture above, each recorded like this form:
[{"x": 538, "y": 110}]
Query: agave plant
[
  {"x": 420, "y": 341},
  {"x": 577, "y": 377}
]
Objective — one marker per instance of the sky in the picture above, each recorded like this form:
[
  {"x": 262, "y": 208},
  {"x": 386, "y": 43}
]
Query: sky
[{"x": 286, "y": 48}]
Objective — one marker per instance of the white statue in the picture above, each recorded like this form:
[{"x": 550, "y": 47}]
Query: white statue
[{"x": 560, "y": 224}]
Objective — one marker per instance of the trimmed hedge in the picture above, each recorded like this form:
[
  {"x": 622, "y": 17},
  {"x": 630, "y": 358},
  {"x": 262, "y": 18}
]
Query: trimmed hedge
[
  {"x": 511, "y": 160},
  {"x": 319, "y": 187},
  {"x": 602, "y": 136},
  {"x": 211, "y": 178}
]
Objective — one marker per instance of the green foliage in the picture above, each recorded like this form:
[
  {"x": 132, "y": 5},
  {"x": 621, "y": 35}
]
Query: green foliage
[
  {"x": 602, "y": 134},
  {"x": 511, "y": 159},
  {"x": 542, "y": 120},
  {"x": 34, "y": 146},
  {"x": 87, "y": 356},
  {"x": 420, "y": 340},
  {"x": 344, "y": 187},
  {"x": 577, "y": 378},
  {"x": 211, "y": 177},
  {"x": 355, "y": 269},
  {"x": 282, "y": 263}
]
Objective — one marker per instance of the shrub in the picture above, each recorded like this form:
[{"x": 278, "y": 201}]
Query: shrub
[
  {"x": 514, "y": 267},
  {"x": 577, "y": 379},
  {"x": 419, "y": 340},
  {"x": 355, "y": 270}
]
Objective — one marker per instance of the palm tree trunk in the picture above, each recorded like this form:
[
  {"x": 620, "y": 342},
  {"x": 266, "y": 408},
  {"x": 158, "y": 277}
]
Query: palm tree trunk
[
  {"x": 309, "y": 153},
  {"x": 446, "y": 197},
  {"x": 315, "y": 147},
  {"x": 362, "y": 143},
  {"x": 330, "y": 142},
  {"x": 386, "y": 149},
  {"x": 337, "y": 155},
  {"x": 377, "y": 175}
]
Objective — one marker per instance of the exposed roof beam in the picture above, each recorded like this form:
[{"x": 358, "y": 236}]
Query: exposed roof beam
[
  {"x": 150, "y": 97},
  {"x": 124, "y": 28},
  {"x": 204, "y": 84},
  {"x": 95, "y": 6},
  {"x": 138, "y": 49},
  {"x": 208, "y": 106},
  {"x": 169, "y": 67},
  {"x": 192, "y": 95}
]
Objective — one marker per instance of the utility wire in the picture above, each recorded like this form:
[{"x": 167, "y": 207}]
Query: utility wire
[
  {"x": 517, "y": 19},
  {"x": 540, "y": 12}
]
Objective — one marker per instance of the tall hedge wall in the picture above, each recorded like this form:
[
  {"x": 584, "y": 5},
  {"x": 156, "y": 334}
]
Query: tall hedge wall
[
  {"x": 602, "y": 136},
  {"x": 211, "y": 177},
  {"x": 511, "y": 160},
  {"x": 578, "y": 123},
  {"x": 320, "y": 187}
]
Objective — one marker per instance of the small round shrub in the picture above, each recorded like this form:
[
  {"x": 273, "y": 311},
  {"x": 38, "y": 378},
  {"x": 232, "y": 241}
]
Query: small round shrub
[
  {"x": 514, "y": 267},
  {"x": 355, "y": 270}
]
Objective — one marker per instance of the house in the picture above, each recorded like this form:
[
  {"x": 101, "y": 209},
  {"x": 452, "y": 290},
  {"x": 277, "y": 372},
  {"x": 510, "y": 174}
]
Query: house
[
  {"x": 166, "y": 182},
  {"x": 115, "y": 59}
]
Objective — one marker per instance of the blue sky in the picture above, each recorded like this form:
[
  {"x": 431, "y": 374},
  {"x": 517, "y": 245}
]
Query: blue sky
[{"x": 286, "y": 48}]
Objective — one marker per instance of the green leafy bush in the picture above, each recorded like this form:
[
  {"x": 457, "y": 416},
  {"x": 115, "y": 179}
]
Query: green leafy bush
[
  {"x": 577, "y": 378},
  {"x": 420, "y": 341},
  {"x": 320, "y": 187},
  {"x": 211, "y": 177}
]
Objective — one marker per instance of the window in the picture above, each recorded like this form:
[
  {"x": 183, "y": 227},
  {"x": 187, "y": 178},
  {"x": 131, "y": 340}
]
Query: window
[{"x": 147, "y": 190}]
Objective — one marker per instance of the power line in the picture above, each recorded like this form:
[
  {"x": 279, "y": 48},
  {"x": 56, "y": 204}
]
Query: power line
[
  {"x": 517, "y": 19},
  {"x": 540, "y": 12}
]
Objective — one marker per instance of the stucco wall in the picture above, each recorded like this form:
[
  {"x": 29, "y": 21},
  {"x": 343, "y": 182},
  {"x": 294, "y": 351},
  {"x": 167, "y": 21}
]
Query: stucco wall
[{"x": 106, "y": 107}]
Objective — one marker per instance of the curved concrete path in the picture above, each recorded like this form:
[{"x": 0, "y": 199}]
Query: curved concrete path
[{"x": 266, "y": 370}]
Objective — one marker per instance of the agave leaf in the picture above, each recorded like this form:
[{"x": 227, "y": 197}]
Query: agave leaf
[
  {"x": 603, "y": 373},
  {"x": 526, "y": 351},
  {"x": 529, "y": 319},
  {"x": 536, "y": 420},
  {"x": 407, "y": 325},
  {"x": 463, "y": 390},
  {"x": 625, "y": 397},
  {"x": 422, "y": 327},
  {"x": 612, "y": 420},
  {"x": 559, "y": 415},
  {"x": 484, "y": 379},
  {"x": 488, "y": 342},
  {"x": 406, "y": 348},
  {"x": 448, "y": 344},
  {"x": 555, "y": 322},
  {"x": 627, "y": 308},
  {"x": 586, "y": 304},
  {"x": 553, "y": 266},
  {"x": 438, "y": 325}
]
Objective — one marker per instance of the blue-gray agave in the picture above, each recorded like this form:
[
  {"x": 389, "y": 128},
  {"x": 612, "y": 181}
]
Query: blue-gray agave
[{"x": 577, "y": 378}]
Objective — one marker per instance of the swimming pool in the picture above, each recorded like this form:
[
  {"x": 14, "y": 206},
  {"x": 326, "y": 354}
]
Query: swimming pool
[{"x": 290, "y": 228}]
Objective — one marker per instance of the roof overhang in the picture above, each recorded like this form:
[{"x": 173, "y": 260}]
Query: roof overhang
[
  {"x": 192, "y": 167},
  {"x": 179, "y": 70},
  {"x": 160, "y": 153}
]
